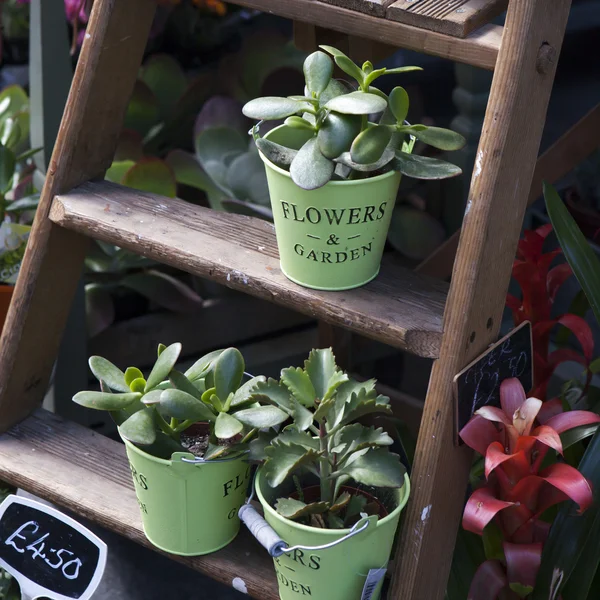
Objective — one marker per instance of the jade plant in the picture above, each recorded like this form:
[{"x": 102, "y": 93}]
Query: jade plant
[
  {"x": 154, "y": 412},
  {"x": 325, "y": 441},
  {"x": 345, "y": 140}
]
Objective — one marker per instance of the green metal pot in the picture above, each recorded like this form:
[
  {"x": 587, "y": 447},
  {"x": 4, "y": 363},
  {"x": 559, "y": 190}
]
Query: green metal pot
[
  {"x": 188, "y": 509},
  {"x": 339, "y": 572},
  {"x": 331, "y": 238}
]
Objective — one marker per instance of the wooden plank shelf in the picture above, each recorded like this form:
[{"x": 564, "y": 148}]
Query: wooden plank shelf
[
  {"x": 479, "y": 48},
  {"x": 88, "y": 474},
  {"x": 399, "y": 308}
]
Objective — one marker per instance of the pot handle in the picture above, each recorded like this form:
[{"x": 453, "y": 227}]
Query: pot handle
[{"x": 268, "y": 537}]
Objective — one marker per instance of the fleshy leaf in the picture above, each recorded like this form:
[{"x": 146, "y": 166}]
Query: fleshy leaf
[
  {"x": 318, "y": 69},
  {"x": 294, "y": 509},
  {"x": 244, "y": 394},
  {"x": 310, "y": 169},
  {"x": 341, "y": 502},
  {"x": 284, "y": 460},
  {"x": 481, "y": 508},
  {"x": 357, "y": 103},
  {"x": 269, "y": 108},
  {"x": 105, "y": 371},
  {"x": 228, "y": 372},
  {"x": 302, "y": 416},
  {"x": 369, "y": 145},
  {"x": 181, "y": 382},
  {"x": 105, "y": 401},
  {"x": 202, "y": 365},
  {"x": 131, "y": 374},
  {"x": 227, "y": 426},
  {"x": 138, "y": 385},
  {"x": 320, "y": 368},
  {"x": 152, "y": 397},
  {"x": 378, "y": 468},
  {"x": 443, "y": 139},
  {"x": 163, "y": 365},
  {"x": 273, "y": 392},
  {"x": 399, "y": 103},
  {"x": 262, "y": 417},
  {"x": 337, "y": 133},
  {"x": 299, "y": 123},
  {"x": 345, "y": 64},
  {"x": 300, "y": 385},
  {"x": 279, "y": 155},
  {"x": 182, "y": 405},
  {"x": 140, "y": 428},
  {"x": 299, "y": 438},
  {"x": 386, "y": 158},
  {"x": 355, "y": 437},
  {"x": 424, "y": 167}
]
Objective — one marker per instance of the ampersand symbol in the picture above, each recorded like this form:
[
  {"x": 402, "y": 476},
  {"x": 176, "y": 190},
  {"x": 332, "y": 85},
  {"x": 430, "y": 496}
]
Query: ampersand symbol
[{"x": 333, "y": 240}]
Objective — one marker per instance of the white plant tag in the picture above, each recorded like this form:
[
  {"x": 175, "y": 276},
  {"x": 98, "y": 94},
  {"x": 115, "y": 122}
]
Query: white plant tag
[{"x": 374, "y": 577}]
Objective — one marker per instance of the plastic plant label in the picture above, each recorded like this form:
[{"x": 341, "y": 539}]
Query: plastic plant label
[
  {"x": 49, "y": 554},
  {"x": 374, "y": 578}
]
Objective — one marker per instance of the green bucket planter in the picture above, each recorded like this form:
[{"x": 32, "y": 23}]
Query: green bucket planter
[
  {"x": 188, "y": 509},
  {"x": 339, "y": 572},
  {"x": 331, "y": 238}
]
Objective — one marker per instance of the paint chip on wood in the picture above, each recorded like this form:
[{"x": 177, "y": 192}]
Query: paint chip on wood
[
  {"x": 425, "y": 513},
  {"x": 240, "y": 585}
]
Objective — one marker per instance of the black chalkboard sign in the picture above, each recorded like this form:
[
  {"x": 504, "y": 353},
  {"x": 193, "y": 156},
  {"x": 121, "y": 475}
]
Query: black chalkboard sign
[
  {"x": 48, "y": 553},
  {"x": 479, "y": 383}
]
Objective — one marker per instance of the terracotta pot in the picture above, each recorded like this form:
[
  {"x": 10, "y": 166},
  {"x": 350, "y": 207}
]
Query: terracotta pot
[{"x": 6, "y": 292}]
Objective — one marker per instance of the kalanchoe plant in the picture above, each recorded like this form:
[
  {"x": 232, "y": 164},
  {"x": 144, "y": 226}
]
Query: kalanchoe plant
[
  {"x": 153, "y": 412},
  {"x": 325, "y": 441},
  {"x": 346, "y": 141}
]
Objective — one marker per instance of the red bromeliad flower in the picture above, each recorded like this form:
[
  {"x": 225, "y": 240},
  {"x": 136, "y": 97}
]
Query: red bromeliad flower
[
  {"x": 518, "y": 490},
  {"x": 539, "y": 285}
]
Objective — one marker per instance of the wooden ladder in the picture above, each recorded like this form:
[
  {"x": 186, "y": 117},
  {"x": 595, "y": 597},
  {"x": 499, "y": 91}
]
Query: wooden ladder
[{"x": 87, "y": 473}]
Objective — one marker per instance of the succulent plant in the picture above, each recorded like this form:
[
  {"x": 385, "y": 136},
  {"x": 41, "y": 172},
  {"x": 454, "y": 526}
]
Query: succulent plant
[
  {"x": 325, "y": 441},
  {"x": 153, "y": 412},
  {"x": 344, "y": 140}
]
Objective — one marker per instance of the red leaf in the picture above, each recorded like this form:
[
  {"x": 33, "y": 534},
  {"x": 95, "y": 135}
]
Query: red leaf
[
  {"x": 513, "y": 302},
  {"x": 565, "y": 355},
  {"x": 556, "y": 277},
  {"x": 515, "y": 466},
  {"x": 549, "y": 437},
  {"x": 574, "y": 418},
  {"x": 550, "y": 409},
  {"x": 488, "y": 581},
  {"x": 522, "y": 562},
  {"x": 525, "y": 415},
  {"x": 492, "y": 413},
  {"x": 481, "y": 508},
  {"x": 479, "y": 433},
  {"x": 512, "y": 395},
  {"x": 571, "y": 482}
]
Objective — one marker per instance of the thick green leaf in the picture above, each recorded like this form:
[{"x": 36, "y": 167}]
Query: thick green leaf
[
  {"x": 184, "y": 406},
  {"x": 572, "y": 436},
  {"x": 357, "y": 103},
  {"x": 131, "y": 374},
  {"x": 117, "y": 171},
  {"x": 341, "y": 502},
  {"x": 300, "y": 385},
  {"x": 105, "y": 401},
  {"x": 299, "y": 123},
  {"x": 290, "y": 436},
  {"x": 378, "y": 467},
  {"x": 227, "y": 426},
  {"x": 258, "y": 446},
  {"x": 303, "y": 417},
  {"x": 273, "y": 107},
  {"x": 444, "y": 139},
  {"x": 294, "y": 509},
  {"x": 277, "y": 154},
  {"x": 105, "y": 371},
  {"x": 337, "y": 133},
  {"x": 262, "y": 417},
  {"x": 310, "y": 169},
  {"x": 320, "y": 368},
  {"x": 202, "y": 365},
  {"x": 345, "y": 64},
  {"x": 7, "y": 168},
  {"x": 424, "y": 167},
  {"x": 369, "y": 145},
  {"x": 386, "y": 158},
  {"x": 355, "y": 437},
  {"x": 284, "y": 460},
  {"x": 138, "y": 385},
  {"x": 142, "y": 110},
  {"x": 571, "y": 532},
  {"x": 273, "y": 392},
  {"x": 577, "y": 250},
  {"x": 246, "y": 178},
  {"x": 152, "y": 397},
  {"x": 181, "y": 382},
  {"x": 166, "y": 79},
  {"x": 213, "y": 144},
  {"x": 140, "y": 427},
  {"x": 163, "y": 365},
  {"x": 399, "y": 70},
  {"x": 245, "y": 393},
  {"x": 228, "y": 372},
  {"x": 399, "y": 103},
  {"x": 318, "y": 69},
  {"x": 152, "y": 175},
  {"x": 334, "y": 89}
]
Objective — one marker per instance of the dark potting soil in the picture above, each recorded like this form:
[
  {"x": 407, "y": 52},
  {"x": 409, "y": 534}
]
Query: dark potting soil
[{"x": 195, "y": 442}]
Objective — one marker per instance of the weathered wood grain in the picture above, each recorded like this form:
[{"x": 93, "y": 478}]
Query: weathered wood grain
[
  {"x": 563, "y": 156},
  {"x": 479, "y": 49},
  {"x": 453, "y": 17},
  {"x": 376, "y": 8},
  {"x": 398, "y": 308},
  {"x": 106, "y": 71},
  {"x": 88, "y": 474},
  {"x": 500, "y": 186}
]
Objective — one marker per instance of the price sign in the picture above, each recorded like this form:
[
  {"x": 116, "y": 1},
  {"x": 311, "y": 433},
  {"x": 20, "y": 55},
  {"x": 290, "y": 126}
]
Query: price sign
[
  {"x": 479, "y": 383},
  {"x": 48, "y": 553}
]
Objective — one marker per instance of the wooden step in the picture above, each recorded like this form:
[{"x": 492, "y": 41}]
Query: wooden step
[
  {"x": 88, "y": 474},
  {"x": 480, "y": 48},
  {"x": 457, "y": 18},
  {"x": 399, "y": 308}
]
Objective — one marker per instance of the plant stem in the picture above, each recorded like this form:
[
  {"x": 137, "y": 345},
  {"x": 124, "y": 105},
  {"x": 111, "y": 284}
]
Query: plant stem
[
  {"x": 179, "y": 427},
  {"x": 325, "y": 466},
  {"x": 165, "y": 427}
]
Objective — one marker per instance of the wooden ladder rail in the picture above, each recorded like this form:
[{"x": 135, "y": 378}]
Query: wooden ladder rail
[
  {"x": 508, "y": 148},
  {"x": 86, "y": 144}
]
